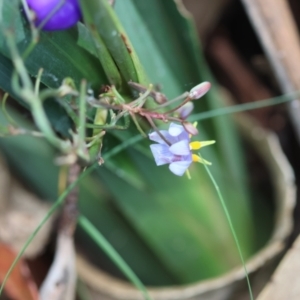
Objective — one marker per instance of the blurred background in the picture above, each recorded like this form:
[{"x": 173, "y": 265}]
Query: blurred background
[
  {"x": 172, "y": 232},
  {"x": 236, "y": 55}
]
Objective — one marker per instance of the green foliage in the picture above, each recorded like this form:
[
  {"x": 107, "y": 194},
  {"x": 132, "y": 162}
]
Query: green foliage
[{"x": 173, "y": 230}]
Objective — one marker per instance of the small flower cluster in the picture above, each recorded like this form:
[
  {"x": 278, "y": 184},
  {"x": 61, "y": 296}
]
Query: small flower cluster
[
  {"x": 173, "y": 145},
  {"x": 175, "y": 149}
]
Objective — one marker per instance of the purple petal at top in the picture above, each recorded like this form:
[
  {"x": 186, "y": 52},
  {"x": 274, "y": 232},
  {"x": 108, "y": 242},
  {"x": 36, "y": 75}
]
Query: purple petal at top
[
  {"x": 178, "y": 132},
  {"x": 154, "y": 136},
  {"x": 185, "y": 110},
  {"x": 179, "y": 167},
  {"x": 175, "y": 129},
  {"x": 181, "y": 148},
  {"x": 161, "y": 154}
]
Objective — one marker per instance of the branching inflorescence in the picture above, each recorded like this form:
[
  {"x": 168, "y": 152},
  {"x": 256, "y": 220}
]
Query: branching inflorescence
[
  {"x": 173, "y": 146},
  {"x": 113, "y": 111}
]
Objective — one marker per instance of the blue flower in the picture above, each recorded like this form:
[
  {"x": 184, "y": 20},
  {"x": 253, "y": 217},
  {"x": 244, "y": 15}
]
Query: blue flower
[
  {"x": 61, "y": 14},
  {"x": 174, "y": 148}
]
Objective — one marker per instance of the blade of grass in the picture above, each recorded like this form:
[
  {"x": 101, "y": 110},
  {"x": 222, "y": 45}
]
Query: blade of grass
[
  {"x": 102, "y": 52},
  {"x": 244, "y": 107},
  {"x": 102, "y": 17},
  {"x": 175, "y": 67},
  {"x": 231, "y": 228},
  {"x": 111, "y": 252}
]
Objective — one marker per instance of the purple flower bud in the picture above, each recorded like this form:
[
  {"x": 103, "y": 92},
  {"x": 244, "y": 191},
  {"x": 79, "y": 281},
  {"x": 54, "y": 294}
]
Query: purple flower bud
[
  {"x": 62, "y": 14},
  {"x": 190, "y": 128},
  {"x": 185, "y": 110},
  {"x": 199, "y": 90},
  {"x": 158, "y": 97}
]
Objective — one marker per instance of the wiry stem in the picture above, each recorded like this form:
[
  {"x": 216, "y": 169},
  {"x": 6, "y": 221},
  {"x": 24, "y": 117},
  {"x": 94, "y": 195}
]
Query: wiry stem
[
  {"x": 157, "y": 130},
  {"x": 165, "y": 104},
  {"x": 186, "y": 100},
  {"x": 60, "y": 282},
  {"x": 70, "y": 208}
]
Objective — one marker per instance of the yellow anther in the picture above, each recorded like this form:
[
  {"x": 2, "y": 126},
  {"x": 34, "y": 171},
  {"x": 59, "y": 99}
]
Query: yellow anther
[
  {"x": 195, "y": 145},
  {"x": 197, "y": 158}
]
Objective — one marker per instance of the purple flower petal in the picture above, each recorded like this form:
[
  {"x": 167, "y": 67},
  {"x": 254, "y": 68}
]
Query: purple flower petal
[
  {"x": 181, "y": 148},
  {"x": 179, "y": 167},
  {"x": 155, "y": 137},
  {"x": 175, "y": 129},
  {"x": 162, "y": 154},
  {"x": 178, "y": 154},
  {"x": 185, "y": 110}
]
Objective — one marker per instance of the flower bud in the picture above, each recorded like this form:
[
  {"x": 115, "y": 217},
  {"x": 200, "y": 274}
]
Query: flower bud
[
  {"x": 157, "y": 96},
  {"x": 58, "y": 16},
  {"x": 185, "y": 110},
  {"x": 190, "y": 128},
  {"x": 199, "y": 90}
]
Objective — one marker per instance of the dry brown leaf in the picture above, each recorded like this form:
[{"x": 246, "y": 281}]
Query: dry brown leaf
[
  {"x": 20, "y": 285},
  {"x": 20, "y": 218},
  {"x": 20, "y": 214}
]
